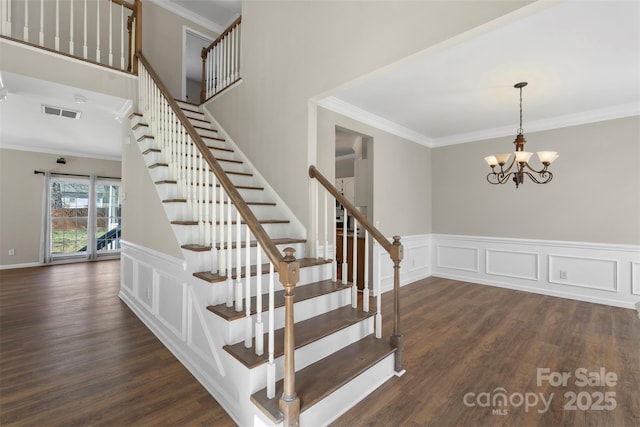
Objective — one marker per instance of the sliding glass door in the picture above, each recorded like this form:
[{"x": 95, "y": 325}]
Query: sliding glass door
[{"x": 84, "y": 217}]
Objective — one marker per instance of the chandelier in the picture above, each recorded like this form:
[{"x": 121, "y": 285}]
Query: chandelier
[{"x": 520, "y": 162}]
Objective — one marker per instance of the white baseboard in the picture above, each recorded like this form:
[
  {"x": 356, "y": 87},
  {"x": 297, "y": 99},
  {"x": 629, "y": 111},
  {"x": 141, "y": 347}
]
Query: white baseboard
[{"x": 25, "y": 265}]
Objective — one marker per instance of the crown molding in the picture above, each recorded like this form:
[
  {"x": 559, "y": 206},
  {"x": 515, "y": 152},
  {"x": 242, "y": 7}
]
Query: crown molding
[
  {"x": 187, "y": 14},
  {"x": 344, "y": 108},
  {"x": 584, "y": 117}
]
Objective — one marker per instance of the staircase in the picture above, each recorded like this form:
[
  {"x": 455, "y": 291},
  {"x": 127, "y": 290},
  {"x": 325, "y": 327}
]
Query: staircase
[{"x": 339, "y": 356}]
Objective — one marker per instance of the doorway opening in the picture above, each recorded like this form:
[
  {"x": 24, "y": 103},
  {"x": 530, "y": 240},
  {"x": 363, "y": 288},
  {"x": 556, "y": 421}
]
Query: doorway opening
[
  {"x": 193, "y": 42},
  {"x": 354, "y": 179}
]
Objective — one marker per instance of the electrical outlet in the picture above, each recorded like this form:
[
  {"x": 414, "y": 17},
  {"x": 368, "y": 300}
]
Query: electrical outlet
[
  {"x": 563, "y": 274},
  {"x": 12, "y": 252}
]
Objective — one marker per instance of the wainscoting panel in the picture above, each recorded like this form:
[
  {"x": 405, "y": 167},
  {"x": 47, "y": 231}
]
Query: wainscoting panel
[
  {"x": 594, "y": 272},
  {"x": 518, "y": 265},
  {"x": 584, "y": 272},
  {"x": 635, "y": 278},
  {"x": 415, "y": 265},
  {"x": 463, "y": 258}
]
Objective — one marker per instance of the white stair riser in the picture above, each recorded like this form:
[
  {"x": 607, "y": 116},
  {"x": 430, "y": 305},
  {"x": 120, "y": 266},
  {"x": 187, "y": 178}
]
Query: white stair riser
[
  {"x": 146, "y": 144},
  {"x": 207, "y": 132},
  {"x": 204, "y": 261},
  {"x": 171, "y": 191},
  {"x": 338, "y": 402},
  {"x": 313, "y": 352},
  {"x": 180, "y": 211},
  {"x": 303, "y": 310},
  {"x": 160, "y": 172},
  {"x": 194, "y": 114},
  {"x": 189, "y": 233}
]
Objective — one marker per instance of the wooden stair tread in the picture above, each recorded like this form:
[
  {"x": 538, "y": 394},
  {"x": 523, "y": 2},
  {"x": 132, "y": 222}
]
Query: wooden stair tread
[
  {"x": 145, "y": 137},
  {"x": 204, "y": 128},
  {"x": 215, "y": 277},
  {"x": 253, "y": 243},
  {"x": 218, "y": 202},
  {"x": 261, "y": 221},
  {"x": 302, "y": 293},
  {"x": 318, "y": 380},
  {"x": 214, "y": 138},
  {"x": 307, "y": 331},
  {"x": 241, "y": 187},
  {"x": 166, "y": 165}
]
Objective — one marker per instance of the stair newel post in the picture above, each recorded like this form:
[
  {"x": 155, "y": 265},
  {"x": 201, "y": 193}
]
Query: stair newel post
[
  {"x": 271, "y": 366},
  {"x": 203, "y": 91},
  {"x": 397, "y": 339},
  {"x": 289, "y": 271},
  {"x": 354, "y": 261},
  {"x": 259, "y": 325},
  {"x": 365, "y": 292},
  {"x": 248, "y": 332},
  {"x": 238, "y": 290},
  {"x": 137, "y": 6}
]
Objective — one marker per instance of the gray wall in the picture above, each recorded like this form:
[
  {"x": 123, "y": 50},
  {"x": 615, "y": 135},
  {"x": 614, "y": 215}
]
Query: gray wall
[
  {"x": 594, "y": 195},
  {"x": 21, "y": 193},
  {"x": 295, "y": 51},
  {"x": 401, "y": 175}
]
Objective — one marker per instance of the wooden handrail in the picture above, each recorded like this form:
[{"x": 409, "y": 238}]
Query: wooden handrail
[
  {"x": 362, "y": 220},
  {"x": 124, "y": 3},
  {"x": 252, "y": 222},
  {"x": 224, "y": 33}
]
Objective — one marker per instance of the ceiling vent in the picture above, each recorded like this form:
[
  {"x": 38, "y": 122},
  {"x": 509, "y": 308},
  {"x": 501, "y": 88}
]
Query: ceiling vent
[{"x": 60, "y": 112}]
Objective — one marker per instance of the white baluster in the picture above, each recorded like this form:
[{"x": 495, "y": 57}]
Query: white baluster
[
  {"x": 354, "y": 261},
  {"x": 25, "y": 31},
  {"x": 98, "y": 31},
  {"x": 238, "y": 292},
  {"x": 200, "y": 199},
  {"x": 207, "y": 208},
  {"x": 379, "y": 299},
  {"x": 335, "y": 242},
  {"x": 271, "y": 366},
  {"x": 229, "y": 245},
  {"x": 85, "y": 49},
  {"x": 237, "y": 64},
  {"x": 71, "y": 46},
  {"x": 214, "y": 225},
  {"x": 247, "y": 280},
  {"x": 222, "y": 253},
  {"x": 259, "y": 324},
  {"x": 345, "y": 266},
  {"x": 57, "y": 37},
  {"x": 365, "y": 295},
  {"x": 41, "y": 36},
  {"x": 326, "y": 226},
  {"x": 111, "y": 33},
  {"x": 316, "y": 214},
  {"x": 122, "y": 32}
]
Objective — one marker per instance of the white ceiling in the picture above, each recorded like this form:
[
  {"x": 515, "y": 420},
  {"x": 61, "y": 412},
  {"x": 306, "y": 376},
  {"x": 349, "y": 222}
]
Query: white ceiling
[
  {"x": 580, "y": 58},
  {"x": 97, "y": 133}
]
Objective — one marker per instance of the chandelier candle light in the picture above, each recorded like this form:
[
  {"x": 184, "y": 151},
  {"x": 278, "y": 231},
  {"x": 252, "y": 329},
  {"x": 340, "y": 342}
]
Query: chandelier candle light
[{"x": 520, "y": 160}]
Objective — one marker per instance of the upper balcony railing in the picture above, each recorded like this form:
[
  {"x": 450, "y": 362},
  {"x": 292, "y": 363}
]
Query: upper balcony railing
[
  {"x": 105, "y": 32},
  {"x": 221, "y": 62}
]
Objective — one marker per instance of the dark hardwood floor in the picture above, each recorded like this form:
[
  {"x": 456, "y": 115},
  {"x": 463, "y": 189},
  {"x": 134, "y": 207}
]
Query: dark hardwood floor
[{"x": 71, "y": 353}]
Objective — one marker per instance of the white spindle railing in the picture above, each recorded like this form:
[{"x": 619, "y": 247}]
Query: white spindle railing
[
  {"x": 215, "y": 213},
  {"x": 53, "y": 17},
  {"x": 350, "y": 272},
  {"x": 221, "y": 62}
]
